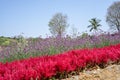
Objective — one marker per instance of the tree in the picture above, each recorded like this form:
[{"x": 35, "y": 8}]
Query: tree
[
  {"x": 94, "y": 24},
  {"x": 58, "y": 24},
  {"x": 74, "y": 31},
  {"x": 113, "y": 16}
]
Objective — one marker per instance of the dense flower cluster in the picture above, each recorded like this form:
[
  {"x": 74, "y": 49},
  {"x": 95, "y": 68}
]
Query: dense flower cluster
[{"x": 44, "y": 67}]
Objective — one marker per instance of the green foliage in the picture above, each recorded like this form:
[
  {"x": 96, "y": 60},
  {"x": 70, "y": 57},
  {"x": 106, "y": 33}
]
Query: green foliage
[
  {"x": 17, "y": 56},
  {"x": 84, "y": 35},
  {"x": 22, "y": 43},
  {"x": 94, "y": 24},
  {"x": 52, "y": 50},
  {"x": 4, "y": 41},
  {"x": 53, "y": 78}
]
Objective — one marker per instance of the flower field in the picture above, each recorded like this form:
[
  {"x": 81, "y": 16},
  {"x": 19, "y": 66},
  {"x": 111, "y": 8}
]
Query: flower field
[
  {"x": 46, "y": 67},
  {"x": 22, "y": 48},
  {"x": 64, "y": 48}
]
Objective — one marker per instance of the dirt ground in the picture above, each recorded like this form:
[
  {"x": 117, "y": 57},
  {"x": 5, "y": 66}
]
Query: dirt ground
[{"x": 112, "y": 72}]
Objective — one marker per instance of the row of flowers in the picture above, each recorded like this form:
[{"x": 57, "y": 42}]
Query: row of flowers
[{"x": 44, "y": 67}]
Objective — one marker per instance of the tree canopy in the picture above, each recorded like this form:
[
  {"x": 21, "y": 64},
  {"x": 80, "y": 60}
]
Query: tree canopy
[
  {"x": 113, "y": 16},
  {"x": 94, "y": 24},
  {"x": 58, "y": 24}
]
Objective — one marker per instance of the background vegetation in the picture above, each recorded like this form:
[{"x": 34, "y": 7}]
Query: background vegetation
[{"x": 19, "y": 47}]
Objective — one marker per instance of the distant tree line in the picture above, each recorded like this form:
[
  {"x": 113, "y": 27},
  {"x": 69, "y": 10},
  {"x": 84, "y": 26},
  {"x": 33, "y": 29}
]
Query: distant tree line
[{"x": 58, "y": 24}]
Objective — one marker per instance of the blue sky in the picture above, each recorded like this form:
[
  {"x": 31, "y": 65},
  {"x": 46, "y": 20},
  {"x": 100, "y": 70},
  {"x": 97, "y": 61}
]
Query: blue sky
[{"x": 31, "y": 17}]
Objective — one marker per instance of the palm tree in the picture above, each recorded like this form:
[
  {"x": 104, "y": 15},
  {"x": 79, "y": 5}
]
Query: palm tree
[{"x": 94, "y": 24}]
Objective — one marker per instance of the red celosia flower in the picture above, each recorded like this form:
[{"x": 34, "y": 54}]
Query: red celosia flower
[{"x": 48, "y": 66}]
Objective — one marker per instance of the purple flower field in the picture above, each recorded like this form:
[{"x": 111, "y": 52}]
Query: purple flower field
[{"x": 55, "y": 45}]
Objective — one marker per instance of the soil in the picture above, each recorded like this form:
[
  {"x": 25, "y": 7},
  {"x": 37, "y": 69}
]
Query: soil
[{"x": 111, "y": 72}]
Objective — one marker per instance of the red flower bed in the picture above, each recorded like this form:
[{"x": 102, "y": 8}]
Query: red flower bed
[{"x": 47, "y": 66}]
